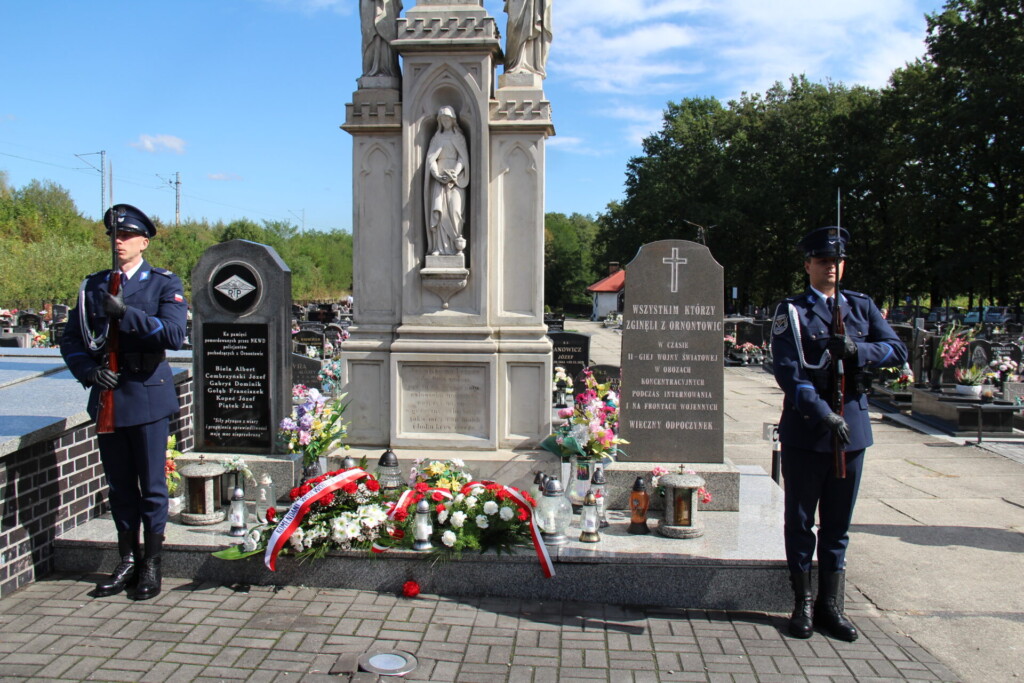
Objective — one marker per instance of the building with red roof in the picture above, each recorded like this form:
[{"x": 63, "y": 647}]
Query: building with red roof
[{"x": 608, "y": 293}]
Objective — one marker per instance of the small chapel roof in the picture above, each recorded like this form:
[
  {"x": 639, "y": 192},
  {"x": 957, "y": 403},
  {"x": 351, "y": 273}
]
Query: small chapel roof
[{"x": 612, "y": 283}]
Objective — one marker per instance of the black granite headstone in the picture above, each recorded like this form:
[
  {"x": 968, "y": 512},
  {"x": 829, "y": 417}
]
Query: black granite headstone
[
  {"x": 30, "y": 320},
  {"x": 56, "y": 332},
  {"x": 570, "y": 351},
  {"x": 608, "y": 374},
  {"x": 750, "y": 332},
  {"x": 306, "y": 371},
  {"x": 978, "y": 355},
  {"x": 304, "y": 339},
  {"x": 1007, "y": 350},
  {"x": 672, "y": 367},
  {"x": 242, "y": 359}
]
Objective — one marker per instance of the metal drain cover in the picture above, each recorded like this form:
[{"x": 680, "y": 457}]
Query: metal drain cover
[{"x": 388, "y": 663}]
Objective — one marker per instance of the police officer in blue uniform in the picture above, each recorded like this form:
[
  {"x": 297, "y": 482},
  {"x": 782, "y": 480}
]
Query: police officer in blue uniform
[
  {"x": 150, "y": 311},
  {"x": 803, "y": 352}
]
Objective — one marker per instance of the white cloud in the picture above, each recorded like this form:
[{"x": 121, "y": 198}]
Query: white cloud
[
  {"x": 160, "y": 143},
  {"x": 309, "y": 6},
  {"x": 223, "y": 176}
]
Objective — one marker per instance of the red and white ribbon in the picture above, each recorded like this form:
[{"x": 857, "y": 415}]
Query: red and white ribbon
[
  {"x": 546, "y": 565},
  {"x": 297, "y": 512}
]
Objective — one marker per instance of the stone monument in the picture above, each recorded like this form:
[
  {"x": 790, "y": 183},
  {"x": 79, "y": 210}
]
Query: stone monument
[
  {"x": 241, "y": 298},
  {"x": 673, "y": 382},
  {"x": 448, "y": 345}
]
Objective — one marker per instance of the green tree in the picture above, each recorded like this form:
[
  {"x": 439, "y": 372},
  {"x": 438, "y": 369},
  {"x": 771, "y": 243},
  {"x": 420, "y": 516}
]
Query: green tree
[{"x": 569, "y": 266}]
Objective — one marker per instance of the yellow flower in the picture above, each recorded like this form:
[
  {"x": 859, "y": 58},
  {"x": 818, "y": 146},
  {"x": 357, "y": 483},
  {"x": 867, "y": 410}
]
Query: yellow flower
[
  {"x": 450, "y": 484},
  {"x": 435, "y": 469}
]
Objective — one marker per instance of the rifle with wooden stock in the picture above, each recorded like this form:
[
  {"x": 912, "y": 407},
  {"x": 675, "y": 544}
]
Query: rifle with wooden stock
[{"x": 105, "y": 415}]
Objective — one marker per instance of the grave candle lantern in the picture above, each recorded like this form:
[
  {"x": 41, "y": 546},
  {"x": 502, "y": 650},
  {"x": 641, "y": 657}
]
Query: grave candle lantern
[
  {"x": 598, "y": 485},
  {"x": 422, "y": 528},
  {"x": 589, "y": 520},
  {"x": 681, "y": 519},
  {"x": 639, "y": 501},
  {"x": 202, "y": 484},
  {"x": 236, "y": 511},
  {"x": 553, "y": 513},
  {"x": 389, "y": 474}
]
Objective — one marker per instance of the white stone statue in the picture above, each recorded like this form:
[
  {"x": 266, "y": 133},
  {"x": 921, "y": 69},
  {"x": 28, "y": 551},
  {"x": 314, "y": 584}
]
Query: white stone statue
[
  {"x": 380, "y": 26},
  {"x": 445, "y": 179},
  {"x": 529, "y": 35}
]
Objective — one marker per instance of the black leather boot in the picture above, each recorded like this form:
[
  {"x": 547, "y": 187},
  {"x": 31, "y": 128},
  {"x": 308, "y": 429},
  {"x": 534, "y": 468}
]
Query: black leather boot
[
  {"x": 149, "y": 571},
  {"x": 124, "y": 575},
  {"x": 801, "y": 622},
  {"x": 827, "y": 613}
]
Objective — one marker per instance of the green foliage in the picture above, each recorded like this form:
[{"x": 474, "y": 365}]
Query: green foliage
[
  {"x": 930, "y": 170},
  {"x": 569, "y": 266},
  {"x": 47, "y": 247}
]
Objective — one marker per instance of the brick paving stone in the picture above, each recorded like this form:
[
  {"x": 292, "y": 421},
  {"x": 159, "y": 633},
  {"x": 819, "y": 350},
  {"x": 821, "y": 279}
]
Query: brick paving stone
[{"x": 161, "y": 672}]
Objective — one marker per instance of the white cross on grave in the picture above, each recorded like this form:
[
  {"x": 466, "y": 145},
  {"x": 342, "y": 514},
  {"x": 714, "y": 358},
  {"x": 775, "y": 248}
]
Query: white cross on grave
[{"x": 675, "y": 261}]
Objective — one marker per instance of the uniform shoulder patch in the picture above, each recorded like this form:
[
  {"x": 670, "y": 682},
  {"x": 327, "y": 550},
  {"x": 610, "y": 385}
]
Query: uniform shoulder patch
[
  {"x": 781, "y": 324},
  {"x": 858, "y": 295},
  {"x": 163, "y": 271}
]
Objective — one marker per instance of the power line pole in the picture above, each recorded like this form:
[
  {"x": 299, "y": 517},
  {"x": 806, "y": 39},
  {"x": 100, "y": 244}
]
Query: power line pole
[
  {"x": 177, "y": 194},
  {"x": 303, "y": 218},
  {"x": 103, "y": 178}
]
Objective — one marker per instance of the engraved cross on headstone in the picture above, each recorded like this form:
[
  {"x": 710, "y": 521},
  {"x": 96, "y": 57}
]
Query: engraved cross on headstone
[{"x": 675, "y": 261}]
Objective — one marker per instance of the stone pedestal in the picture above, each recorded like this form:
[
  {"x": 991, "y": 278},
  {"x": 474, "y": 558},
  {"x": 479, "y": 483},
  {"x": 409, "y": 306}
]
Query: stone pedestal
[{"x": 448, "y": 350}]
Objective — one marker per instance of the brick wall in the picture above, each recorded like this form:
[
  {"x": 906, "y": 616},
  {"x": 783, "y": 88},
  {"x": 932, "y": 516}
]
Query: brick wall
[{"x": 53, "y": 485}]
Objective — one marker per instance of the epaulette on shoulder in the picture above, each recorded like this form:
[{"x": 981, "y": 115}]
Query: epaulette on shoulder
[
  {"x": 163, "y": 271},
  {"x": 856, "y": 295}
]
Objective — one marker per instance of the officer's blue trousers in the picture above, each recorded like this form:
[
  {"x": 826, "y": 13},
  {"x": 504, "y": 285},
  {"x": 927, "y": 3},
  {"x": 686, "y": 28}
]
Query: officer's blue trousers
[
  {"x": 133, "y": 462},
  {"x": 810, "y": 485}
]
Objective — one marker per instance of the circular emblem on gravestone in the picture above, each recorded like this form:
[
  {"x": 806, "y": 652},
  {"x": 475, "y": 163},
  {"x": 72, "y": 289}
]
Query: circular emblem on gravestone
[{"x": 236, "y": 288}]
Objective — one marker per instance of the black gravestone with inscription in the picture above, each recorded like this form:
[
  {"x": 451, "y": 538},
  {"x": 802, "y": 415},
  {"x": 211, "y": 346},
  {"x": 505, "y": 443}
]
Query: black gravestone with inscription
[
  {"x": 671, "y": 403},
  {"x": 304, "y": 339},
  {"x": 570, "y": 351},
  {"x": 978, "y": 355},
  {"x": 242, "y": 347},
  {"x": 306, "y": 371}
]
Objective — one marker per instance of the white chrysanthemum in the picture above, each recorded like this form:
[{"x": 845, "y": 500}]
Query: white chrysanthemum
[
  {"x": 352, "y": 529},
  {"x": 372, "y": 515},
  {"x": 506, "y": 513},
  {"x": 459, "y": 498},
  {"x": 458, "y": 462},
  {"x": 448, "y": 538},
  {"x": 458, "y": 519},
  {"x": 442, "y": 516},
  {"x": 490, "y": 507},
  {"x": 477, "y": 491},
  {"x": 481, "y": 521},
  {"x": 470, "y": 502},
  {"x": 296, "y": 539}
]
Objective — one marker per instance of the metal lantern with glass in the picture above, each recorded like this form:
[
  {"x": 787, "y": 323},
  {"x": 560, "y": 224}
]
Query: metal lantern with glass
[
  {"x": 421, "y": 526},
  {"x": 589, "y": 521},
  {"x": 388, "y": 473},
  {"x": 639, "y": 501},
  {"x": 554, "y": 513}
]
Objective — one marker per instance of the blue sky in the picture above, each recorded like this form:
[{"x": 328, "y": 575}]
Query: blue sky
[{"x": 244, "y": 98}]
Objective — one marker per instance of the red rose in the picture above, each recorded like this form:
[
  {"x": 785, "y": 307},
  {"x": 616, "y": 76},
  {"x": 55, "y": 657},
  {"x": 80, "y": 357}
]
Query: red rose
[
  {"x": 492, "y": 487},
  {"x": 421, "y": 487},
  {"x": 373, "y": 485},
  {"x": 437, "y": 496},
  {"x": 522, "y": 515},
  {"x": 304, "y": 489},
  {"x": 529, "y": 499},
  {"x": 402, "y": 515},
  {"x": 440, "y": 508},
  {"x": 350, "y": 487},
  {"x": 271, "y": 514},
  {"x": 410, "y": 589},
  {"x": 397, "y": 534},
  {"x": 294, "y": 493},
  {"x": 503, "y": 495},
  {"x": 326, "y": 498}
]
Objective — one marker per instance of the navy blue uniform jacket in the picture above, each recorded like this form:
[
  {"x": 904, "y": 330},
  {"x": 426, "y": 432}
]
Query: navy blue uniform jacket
[
  {"x": 153, "y": 323},
  {"x": 804, "y": 407}
]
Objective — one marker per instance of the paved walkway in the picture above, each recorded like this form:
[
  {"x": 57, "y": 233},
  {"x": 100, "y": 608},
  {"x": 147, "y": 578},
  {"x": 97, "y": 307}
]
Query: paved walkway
[{"x": 933, "y": 584}]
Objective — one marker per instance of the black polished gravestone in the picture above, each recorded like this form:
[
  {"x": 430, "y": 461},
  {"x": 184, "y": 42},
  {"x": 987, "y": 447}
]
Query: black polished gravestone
[
  {"x": 306, "y": 371},
  {"x": 241, "y": 295},
  {"x": 571, "y": 351},
  {"x": 671, "y": 403},
  {"x": 303, "y": 339},
  {"x": 752, "y": 332},
  {"x": 979, "y": 353}
]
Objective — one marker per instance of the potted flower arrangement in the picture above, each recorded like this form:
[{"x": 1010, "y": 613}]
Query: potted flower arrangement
[
  {"x": 588, "y": 435},
  {"x": 314, "y": 429},
  {"x": 1003, "y": 369},
  {"x": 450, "y": 475},
  {"x": 898, "y": 383},
  {"x": 330, "y": 375},
  {"x": 951, "y": 347},
  {"x": 968, "y": 380},
  {"x": 175, "y": 490}
]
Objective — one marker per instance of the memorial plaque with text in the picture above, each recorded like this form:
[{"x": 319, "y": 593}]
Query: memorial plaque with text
[
  {"x": 236, "y": 402},
  {"x": 570, "y": 351},
  {"x": 672, "y": 367},
  {"x": 444, "y": 399}
]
